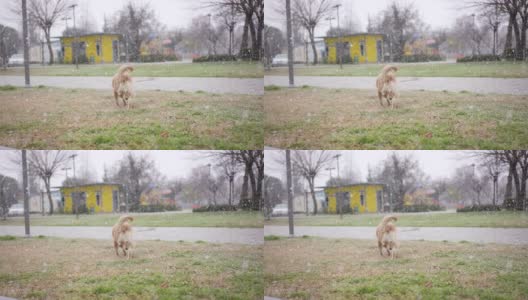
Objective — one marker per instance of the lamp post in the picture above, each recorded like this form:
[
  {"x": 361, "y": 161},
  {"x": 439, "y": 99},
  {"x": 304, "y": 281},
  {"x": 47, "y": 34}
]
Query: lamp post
[
  {"x": 339, "y": 37},
  {"x": 337, "y": 156},
  {"x": 76, "y": 195},
  {"x": 75, "y": 41},
  {"x": 25, "y": 37},
  {"x": 290, "y": 49}
]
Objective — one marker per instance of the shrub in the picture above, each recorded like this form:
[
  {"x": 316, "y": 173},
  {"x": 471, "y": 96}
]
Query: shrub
[
  {"x": 156, "y": 208},
  {"x": 421, "y": 208},
  {"x": 157, "y": 58},
  {"x": 477, "y": 58},
  {"x": 220, "y": 207},
  {"x": 421, "y": 58},
  {"x": 488, "y": 207},
  {"x": 212, "y": 58}
]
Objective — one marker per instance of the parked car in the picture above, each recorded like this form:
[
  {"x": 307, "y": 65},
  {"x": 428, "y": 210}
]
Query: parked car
[
  {"x": 280, "y": 60},
  {"x": 280, "y": 210},
  {"x": 16, "y": 210},
  {"x": 16, "y": 60}
]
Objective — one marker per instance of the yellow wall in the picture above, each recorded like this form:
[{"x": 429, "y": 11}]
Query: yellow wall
[
  {"x": 91, "y": 201},
  {"x": 355, "y": 201},
  {"x": 105, "y": 40},
  {"x": 371, "y": 55}
]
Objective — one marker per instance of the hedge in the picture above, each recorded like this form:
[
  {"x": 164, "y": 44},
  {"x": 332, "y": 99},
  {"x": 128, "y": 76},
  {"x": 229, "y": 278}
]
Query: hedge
[
  {"x": 156, "y": 208},
  {"x": 220, "y": 207},
  {"x": 421, "y": 208},
  {"x": 420, "y": 58},
  {"x": 157, "y": 58},
  {"x": 477, "y": 58},
  {"x": 209, "y": 58},
  {"x": 489, "y": 207}
]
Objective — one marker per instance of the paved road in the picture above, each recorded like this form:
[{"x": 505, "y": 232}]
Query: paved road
[
  {"x": 252, "y": 236},
  {"x": 515, "y": 236},
  {"x": 251, "y": 86},
  {"x": 514, "y": 86}
]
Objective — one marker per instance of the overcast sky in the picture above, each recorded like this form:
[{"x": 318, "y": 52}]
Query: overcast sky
[
  {"x": 436, "y": 13},
  {"x": 436, "y": 164},
  {"x": 172, "y": 13},
  {"x": 172, "y": 164}
]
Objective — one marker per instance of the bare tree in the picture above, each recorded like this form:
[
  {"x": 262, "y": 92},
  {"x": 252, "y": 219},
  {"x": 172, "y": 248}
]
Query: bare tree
[
  {"x": 399, "y": 23},
  {"x": 45, "y": 13},
  {"x": 136, "y": 22},
  {"x": 274, "y": 42},
  {"x": 45, "y": 164},
  {"x": 9, "y": 191},
  {"x": 230, "y": 167},
  {"x": 400, "y": 174},
  {"x": 9, "y": 43},
  {"x": 309, "y": 13},
  {"x": 309, "y": 164}
]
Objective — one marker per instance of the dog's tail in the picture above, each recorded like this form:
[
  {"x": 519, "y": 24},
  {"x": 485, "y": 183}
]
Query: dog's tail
[
  {"x": 124, "y": 219},
  {"x": 389, "y": 68},
  {"x": 388, "y": 219},
  {"x": 124, "y": 68}
]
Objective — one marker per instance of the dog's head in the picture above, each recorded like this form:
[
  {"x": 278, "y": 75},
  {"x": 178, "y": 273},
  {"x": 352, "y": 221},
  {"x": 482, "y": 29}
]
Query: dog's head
[{"x": 390, "y": 227}]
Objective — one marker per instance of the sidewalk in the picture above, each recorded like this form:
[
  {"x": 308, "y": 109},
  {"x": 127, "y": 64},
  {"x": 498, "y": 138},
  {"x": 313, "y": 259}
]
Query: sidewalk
[
  {"x": 251, "y": 236},
  {"x": 250, "y": 86},
  {"x": 513, "y": 86},
  {"x": 514, "y": 236}
]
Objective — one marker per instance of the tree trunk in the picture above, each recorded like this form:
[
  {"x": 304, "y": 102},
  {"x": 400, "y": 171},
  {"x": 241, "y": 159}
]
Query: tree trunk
[
  {"x": 48, "y": 42},
  {"x": 517, "y": 185},
  {"x": 314, "y": 49},
  {"x": 312, "y": 191},
  {"x": 48, "y": 192},
  {"x": 244, "y": 194},
  {"x": 518, "y": 44},
  {"x": 509, "y": 36},
  {"x": 245, "y": 36},
  {"x": 255, "y": 197}
]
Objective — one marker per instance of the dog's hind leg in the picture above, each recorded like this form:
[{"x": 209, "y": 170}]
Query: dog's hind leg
[
  {"x": 380, "y": 248},
  {"x": 380, "y": 96},
  {"x": 116, "y": 248},
  {"x": 116, "y": 97}
]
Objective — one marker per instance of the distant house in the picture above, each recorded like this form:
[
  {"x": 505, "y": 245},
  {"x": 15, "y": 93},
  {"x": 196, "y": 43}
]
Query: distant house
[
  {"x": 39, "y": 203},
  {"x": 95, "y": 197},
  {"x": 304, "y": 203},
  {"x": 356, "y": 48},
  {"x": 359, "y": 198},
  {"x": 39, "y": 53},
  {"x": 157, "y": 196},
  {"x": 93, "y": 48},
  {"x": 304, "y": 53}
]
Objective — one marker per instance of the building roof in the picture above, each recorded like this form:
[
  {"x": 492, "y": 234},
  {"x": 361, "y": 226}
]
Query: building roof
[
  {"x": 353, "y": 34},
  {"x": 88, "y": 184},
  {"x": 353, "y": 184},
  {"x": 90, "y": 34}
]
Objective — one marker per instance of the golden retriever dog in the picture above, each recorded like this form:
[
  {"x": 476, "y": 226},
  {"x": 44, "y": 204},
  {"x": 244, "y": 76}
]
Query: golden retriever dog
[
  {"x": 122, "y": 84},
  {"x": 386, "y": 234},
  {"x": 386, "y": 85},
  {"x": 122, "y": 235}
]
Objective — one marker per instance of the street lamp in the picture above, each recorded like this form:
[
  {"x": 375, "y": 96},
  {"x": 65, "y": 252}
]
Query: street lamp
[
  {"x": 75, "y": 41},
  {"x": 339, "y": 37},
  {"x": 337, "y": 156}
]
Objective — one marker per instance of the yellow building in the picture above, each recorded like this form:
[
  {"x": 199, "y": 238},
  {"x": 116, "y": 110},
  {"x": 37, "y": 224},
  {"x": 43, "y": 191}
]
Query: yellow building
[
  {"x": 361, "y": 197},
  {"x": 93, "y": 48},
  {"x": 357, "y": 48},
  {"x": 97, "y": 197}
]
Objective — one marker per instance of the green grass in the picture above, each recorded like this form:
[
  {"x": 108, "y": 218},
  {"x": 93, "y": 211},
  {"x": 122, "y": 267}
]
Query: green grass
[
  {"x": 53, "y": 118},
  {"x": 470, "y": 219},
  {"x": 353, "y": 269},
  {"x": 226, "y": 69},
  {"x": 318, "y": 118},
  {"x": 89, "y": 269},
  {"x": 5, "y": 88},
  {"x": 205, "y": 219},
  {"x": 7, "y": 238},
  {"x": 271, "y": 238},
  {"x": 489, "y": 69}
]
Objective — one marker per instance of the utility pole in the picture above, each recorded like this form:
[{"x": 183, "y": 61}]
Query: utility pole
[
  {"x": 339, "y": 38},
  {"x": 25, "y": 37},
  {"x": 75, "y": 40},
  {"x": 76, "y": 195},
  {"x": 339, "y": 187},
  {"x": 290, "y": 43},
  {"x": 26, "y": 192},
  {"x": 290, "y": 191}
]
